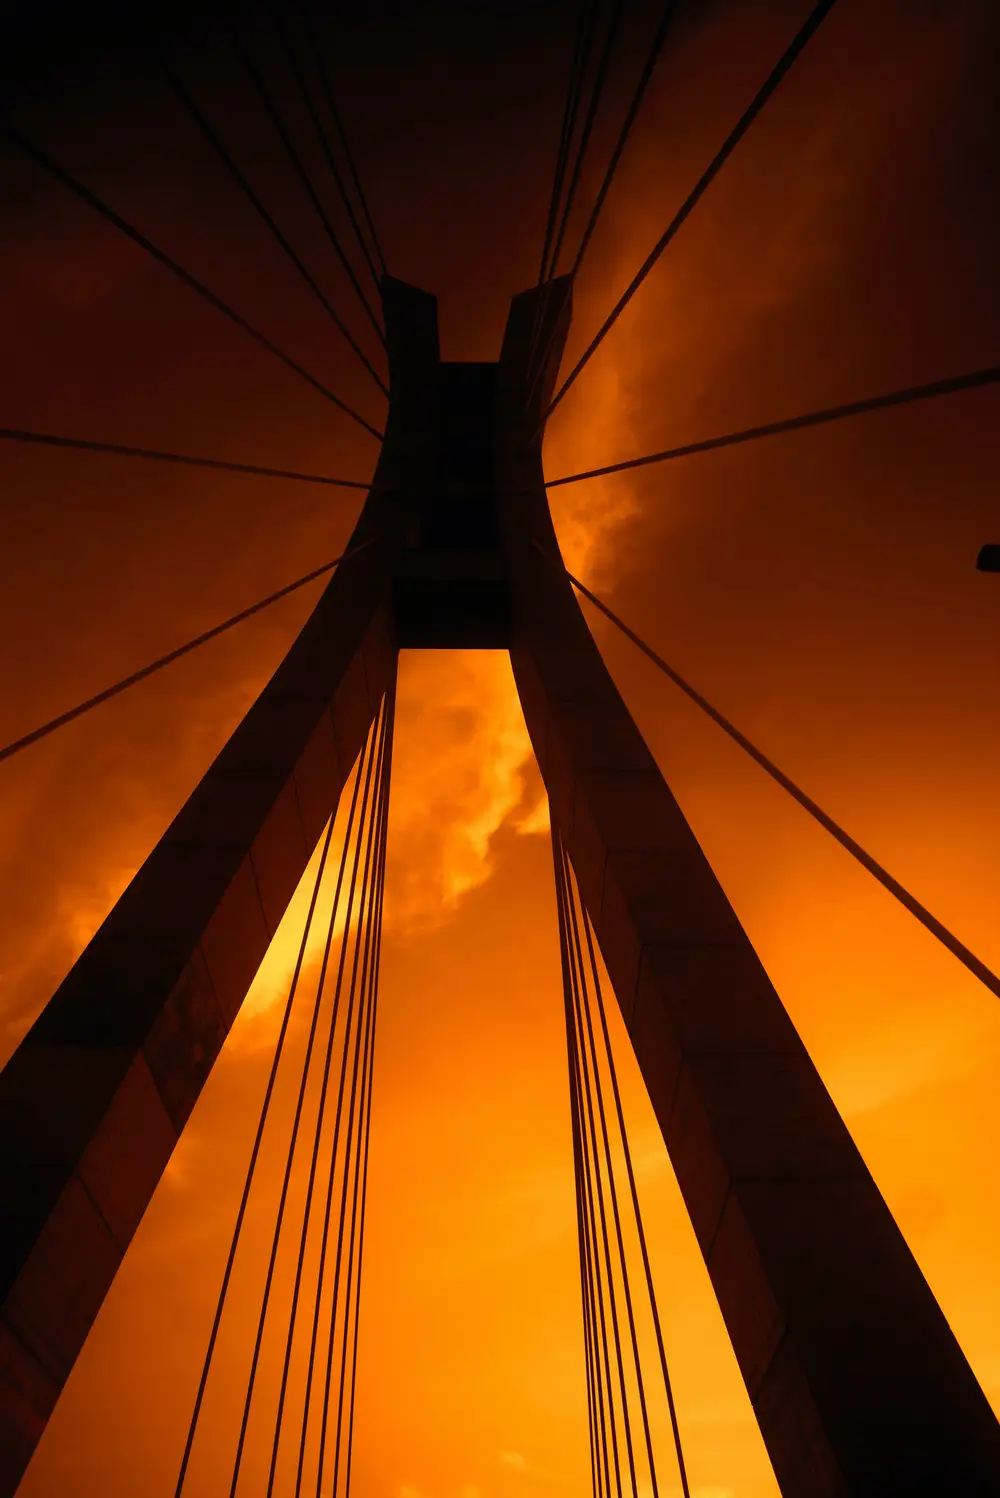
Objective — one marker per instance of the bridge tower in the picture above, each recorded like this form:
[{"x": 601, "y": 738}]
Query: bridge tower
[{"x": 856, "y": 1380}]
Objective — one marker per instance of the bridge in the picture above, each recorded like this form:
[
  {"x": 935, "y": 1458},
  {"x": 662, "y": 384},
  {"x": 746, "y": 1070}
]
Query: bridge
[{"x": 856, "y": 1380}]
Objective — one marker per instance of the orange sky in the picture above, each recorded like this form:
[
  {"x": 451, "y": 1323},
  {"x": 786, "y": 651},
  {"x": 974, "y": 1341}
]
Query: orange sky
[{"x": 819, "y": 588}]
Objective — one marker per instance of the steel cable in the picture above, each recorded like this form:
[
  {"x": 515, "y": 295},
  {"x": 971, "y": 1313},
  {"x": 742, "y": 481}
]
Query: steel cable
[
  {"x": 214, "y": 140},
  {"x": 67, "y": 180},
  {"x": 27, "y": 739},
  {"x": 335, "y": 115},
  {"x": 254, "y": 1156},
  {"x": 588, "y": 1040},
  {"x": 937, "y": 928},
  {"x": 640, "y": 1229},
  {"x": 274, "y": 115},
  {"x": 188, "y": 460},
  {"x": 357, "y": 1116},
  {"x": 594, "y": 1207},
  {"x": 808, "y": 29},
  {"x": 588, "y": 126},
  {"x": 310, "y": 1186},
  {"x": 591, "y": 1088},
  {"x": 327, "y": 1210},
  {"x": 306, "y": 95},
  {"x": 592, "y": 1165},
  {"x": 286, "y": 1178},
  {"x": 380, "y": 896},
  {"x": 656, "y": 46},
  {"x": 338, "y": 1261},
  {"x": 595, "y": 1406},
  {"x": 951, "y": 386}
]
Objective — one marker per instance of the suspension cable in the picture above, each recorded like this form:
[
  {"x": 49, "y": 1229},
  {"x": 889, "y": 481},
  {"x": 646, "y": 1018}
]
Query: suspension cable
[
  {"x": 338, "y": 1259},
  {"x": 655, "y": 48},
  {"x": 587, "y": 1040},
  {"x": 157, "y": 455},
  {"x": 306, "y": 95},
  {"x": 586, "y": 1284},
  {"x": 626, "y": 1150},
  {"x": 591, "y": 1086},
  {"x": 581, "y": 45},
  {"x": 589, "y": 1265},
  {"x": 255, "y": 1151},
  {"x": 310, "y": 1186},
  {"x": 327, "y": 1209},
  {"x": 335, "y": 115},
  {"x": 380, "y": 900},
  {"x": 9, "y": 750},
  {"x": 588, "y": 125},
  {"x": 947, "y": 938},
  {"x": 242, "y": 181},
  {"x": 583, "y": 39},
  {"x": 289, "y": 1160},
  {"x": 912, "y": 393},
  {"x": 586, "y": 1086},
  {"x": 274, "y": 115},
  {"x": 652, "y": 57},
  {"x": 353, "y": 1267},
  {"x": 29, "y": 149},
  {"x": 809, "y": 27}
]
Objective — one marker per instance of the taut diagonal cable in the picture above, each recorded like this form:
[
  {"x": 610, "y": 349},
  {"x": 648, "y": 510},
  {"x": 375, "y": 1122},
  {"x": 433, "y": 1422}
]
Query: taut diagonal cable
[
  {"x": 380, "y": 900},
  {"x": 930, "y": 922},
  {"x": 187, "y": 460},
  {"x": 210, "y": 134},
  {"x": 289, "y": 1160},
  {"x": 594, "y": 1164},
  {"x": 588, "y": 1169},
  {"x": 808, "y": 29},
  {"x": 595, "y": 1406},
  {"x": 255, "y": 1154},
  {"x": 310, "y": 1186},
  {"x": 338, "y": 1264},
  {"x": 306, "y": 95},
  {"x": 40, "y": 158},
  {"x": 640, "y": 1229},
  {"x": 335, "y": 115},
  {"x": 588, "y": 125},
  {"x": 587, "y": 1040},
  {"x": 912, "y": 393},
  {"x": 9, "y": 750},
  {"x": 334, "y": 1156},
  {"x": 298, "y": 166},
  {"x": 656, "y": 46}
]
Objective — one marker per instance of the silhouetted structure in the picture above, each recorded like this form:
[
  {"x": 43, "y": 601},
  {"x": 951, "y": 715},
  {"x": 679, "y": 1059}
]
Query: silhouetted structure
[{"x": 856, "y": 1380}]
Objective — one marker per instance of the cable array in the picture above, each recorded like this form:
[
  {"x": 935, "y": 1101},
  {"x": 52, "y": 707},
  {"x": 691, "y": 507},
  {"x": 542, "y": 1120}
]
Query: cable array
[
  {"x": 298, "y": 1392},
  {"x": 974, "y": 380},
  {"x": 187, "y": 460},
  {"x": 29, "y": 148},
  {"x": 297, "y": 163},
  {"x": 41, "y": 158},
  {"x": 188, "y": 103},
  {"x": 927, "y": 919},
  {"x": 763, "y": 95},
  {"x": 554, "y": 238},
  {"x": 612, "y": 1308},
  {"x": 134, "y": 677}
]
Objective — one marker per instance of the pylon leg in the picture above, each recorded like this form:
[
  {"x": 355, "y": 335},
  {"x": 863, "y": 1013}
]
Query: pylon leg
[
  {"x": 855, "y": 1377},
  {"x": 96, "y": 1095}
]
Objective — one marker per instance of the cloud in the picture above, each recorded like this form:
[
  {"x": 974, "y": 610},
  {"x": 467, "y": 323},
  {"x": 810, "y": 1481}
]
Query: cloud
[
  {"x": 460, "y": 763},
  {"x": 515, "y": 1460}
]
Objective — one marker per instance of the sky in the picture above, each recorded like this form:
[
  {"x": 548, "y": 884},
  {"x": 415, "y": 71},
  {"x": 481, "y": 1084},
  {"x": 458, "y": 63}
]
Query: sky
[{"x": 819, "y": 588}]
